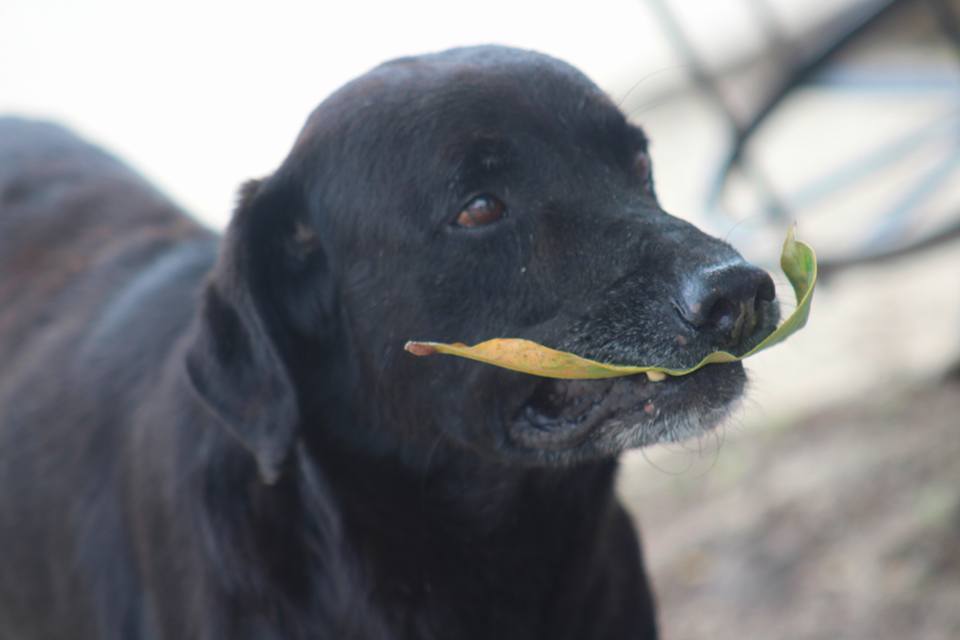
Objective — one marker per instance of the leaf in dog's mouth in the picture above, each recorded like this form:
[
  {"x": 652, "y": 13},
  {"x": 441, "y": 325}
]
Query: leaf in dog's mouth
[{"x": 799, "y": 264}]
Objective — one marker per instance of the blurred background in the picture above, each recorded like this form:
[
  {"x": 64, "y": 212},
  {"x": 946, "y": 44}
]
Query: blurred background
[{"x": 829, "y": 508}]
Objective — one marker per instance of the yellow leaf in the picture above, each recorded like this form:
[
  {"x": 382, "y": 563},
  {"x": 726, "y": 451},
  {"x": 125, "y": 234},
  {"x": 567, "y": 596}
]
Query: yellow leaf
[{"x": 799, "y": 264}]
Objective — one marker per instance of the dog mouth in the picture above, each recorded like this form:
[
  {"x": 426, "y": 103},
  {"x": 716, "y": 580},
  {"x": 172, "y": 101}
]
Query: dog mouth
[{"x": 618, "y": 413}]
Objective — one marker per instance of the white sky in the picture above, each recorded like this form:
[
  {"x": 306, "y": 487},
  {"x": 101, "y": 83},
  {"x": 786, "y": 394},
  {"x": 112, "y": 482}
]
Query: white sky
[{"x": 201, "y": 95}]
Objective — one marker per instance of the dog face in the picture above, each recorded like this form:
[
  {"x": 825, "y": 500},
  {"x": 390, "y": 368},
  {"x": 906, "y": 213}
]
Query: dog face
[{"x": 480, "y": 193}]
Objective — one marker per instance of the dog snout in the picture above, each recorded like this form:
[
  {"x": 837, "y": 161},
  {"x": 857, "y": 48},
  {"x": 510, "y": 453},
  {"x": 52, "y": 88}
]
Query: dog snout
[{"x": 725, "y": 302}]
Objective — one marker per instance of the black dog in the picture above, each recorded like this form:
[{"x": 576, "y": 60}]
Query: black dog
[{"x": 224, "y": 439}]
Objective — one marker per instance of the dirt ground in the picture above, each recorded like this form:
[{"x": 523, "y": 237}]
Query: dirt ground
[{"x": 841, "y": 525}]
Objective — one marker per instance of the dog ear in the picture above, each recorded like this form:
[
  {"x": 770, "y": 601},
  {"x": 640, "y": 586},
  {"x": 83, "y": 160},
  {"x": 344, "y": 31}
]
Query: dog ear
[{"x": 234, "y": 362}]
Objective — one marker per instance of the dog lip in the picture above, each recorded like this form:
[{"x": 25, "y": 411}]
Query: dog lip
[
  {"x": 560, "y": 414},
  {"x": 563, "y": 414}
]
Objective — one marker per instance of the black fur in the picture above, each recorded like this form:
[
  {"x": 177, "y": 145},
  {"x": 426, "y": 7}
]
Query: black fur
[{"x": 213, "y": 439}]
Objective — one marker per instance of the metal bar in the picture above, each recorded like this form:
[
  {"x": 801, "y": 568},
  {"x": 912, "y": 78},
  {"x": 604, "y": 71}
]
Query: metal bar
[
  {"x": 856, "y": 26},
  {"x": 708, "y": 84}
]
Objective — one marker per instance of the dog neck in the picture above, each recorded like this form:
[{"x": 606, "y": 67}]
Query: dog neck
[
  {"x": 460, "y": 485},
  {"x": 464, "y": 522}
]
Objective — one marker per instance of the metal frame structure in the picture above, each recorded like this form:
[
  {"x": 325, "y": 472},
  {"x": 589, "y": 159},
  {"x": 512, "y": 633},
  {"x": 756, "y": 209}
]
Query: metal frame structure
[{"x": 799, "y": 71}]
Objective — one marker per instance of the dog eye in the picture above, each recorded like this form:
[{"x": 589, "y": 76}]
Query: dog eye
[
  {"x": 641, "y": 165},
  {"x": 480, "y": 211}
]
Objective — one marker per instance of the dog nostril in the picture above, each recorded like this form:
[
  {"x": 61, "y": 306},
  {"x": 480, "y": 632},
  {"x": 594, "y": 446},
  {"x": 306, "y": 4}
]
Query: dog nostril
[
  {"x": 724, "y": 301},
  {"x": 766, "y": 292},
  {"x": 723, "y": 315}
]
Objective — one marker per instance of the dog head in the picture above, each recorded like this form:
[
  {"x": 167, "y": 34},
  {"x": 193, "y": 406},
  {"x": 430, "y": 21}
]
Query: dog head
[{"x": 471, "y": 194}]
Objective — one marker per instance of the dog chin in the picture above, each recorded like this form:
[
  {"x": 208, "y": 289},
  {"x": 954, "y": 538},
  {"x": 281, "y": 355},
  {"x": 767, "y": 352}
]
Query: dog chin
[{"x": 570, "y": 421}]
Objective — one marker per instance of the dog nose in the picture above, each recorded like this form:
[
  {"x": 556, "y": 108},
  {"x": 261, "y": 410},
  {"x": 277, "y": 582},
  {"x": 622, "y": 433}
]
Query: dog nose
[{"x": 723, "y": 300}]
